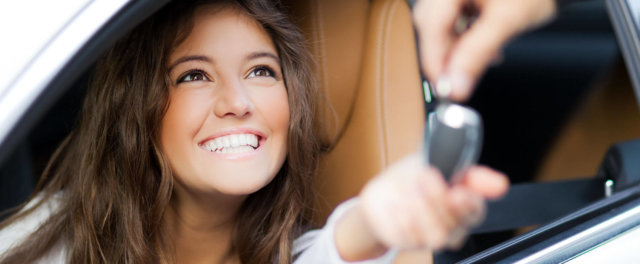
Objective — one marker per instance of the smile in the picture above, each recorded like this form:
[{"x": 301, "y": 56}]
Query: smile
[{"x": 234, "y": 143}]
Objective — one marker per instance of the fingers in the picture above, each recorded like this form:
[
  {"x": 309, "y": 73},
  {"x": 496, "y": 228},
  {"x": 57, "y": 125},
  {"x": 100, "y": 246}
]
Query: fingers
[
  {"x": 469, "y": 208},
  {"x": 435, "y": 20},
  {"x": 486, "y": 182},
  {"x": 460, "y": 61},
  {"x": 441, "y": 216},
  {"x": 412, "y": 206},
  {"x": 475, "y": 50},
  {"x": 446, "y": 215},
  {"x": 432, "y": 198}
]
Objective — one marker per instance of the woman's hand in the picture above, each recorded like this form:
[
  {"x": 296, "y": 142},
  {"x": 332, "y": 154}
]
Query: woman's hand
[
  {"x": 462, "y": 57},
  {"x": 410, "y": 206}
]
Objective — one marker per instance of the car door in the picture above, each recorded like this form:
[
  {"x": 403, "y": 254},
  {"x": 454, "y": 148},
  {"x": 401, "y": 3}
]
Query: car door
[{"x": 49, "y": 45}]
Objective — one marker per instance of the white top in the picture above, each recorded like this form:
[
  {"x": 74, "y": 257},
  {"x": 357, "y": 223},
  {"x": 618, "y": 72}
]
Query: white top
[{"x": 315, "y": 246}]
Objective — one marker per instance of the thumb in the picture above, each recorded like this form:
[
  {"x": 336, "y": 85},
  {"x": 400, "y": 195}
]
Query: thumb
[
  {"x": 486, "y": 182},
  {"x": 474, "y": 51},
  {"x": 497, "y": 23}
]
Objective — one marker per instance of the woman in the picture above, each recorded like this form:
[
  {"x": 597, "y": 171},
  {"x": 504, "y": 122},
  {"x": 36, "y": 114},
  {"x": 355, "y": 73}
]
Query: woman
[{"x": 197, "y": 144}]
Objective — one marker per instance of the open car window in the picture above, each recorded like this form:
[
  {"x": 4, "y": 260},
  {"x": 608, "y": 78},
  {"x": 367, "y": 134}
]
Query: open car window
[
  {"x": 605, "y": 231},
  {"x": 41, "y": 92},
  {"x": 51, "y": 50},
  {"x": 33, "y": 35},
  {"x": 524, "y": 100}
]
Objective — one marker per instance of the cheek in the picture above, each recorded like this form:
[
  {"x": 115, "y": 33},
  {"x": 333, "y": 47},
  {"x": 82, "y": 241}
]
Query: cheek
[
  {"x": 278, "y": 112},
  {"x": 283, "y": 115},
  {"x": 281, "y": 118},
  {"x": 184, "y": 117},
  {"x": 193, "y": 104},
  {"x": 274, "y": 108}
]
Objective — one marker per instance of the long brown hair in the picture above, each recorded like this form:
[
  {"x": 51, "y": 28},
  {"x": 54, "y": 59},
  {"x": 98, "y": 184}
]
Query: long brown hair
[{"x": 113, "y": 181}]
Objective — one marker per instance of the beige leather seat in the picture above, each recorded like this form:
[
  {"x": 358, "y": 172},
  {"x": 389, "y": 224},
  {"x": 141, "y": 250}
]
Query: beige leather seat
[{"x": 367, "y": 67}]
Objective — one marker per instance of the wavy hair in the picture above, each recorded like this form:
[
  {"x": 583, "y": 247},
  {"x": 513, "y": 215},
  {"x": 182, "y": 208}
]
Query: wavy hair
[{"x": 113, "y": 180}]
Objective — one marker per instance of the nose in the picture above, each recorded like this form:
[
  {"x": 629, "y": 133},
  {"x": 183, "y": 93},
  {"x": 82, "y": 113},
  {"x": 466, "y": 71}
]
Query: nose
[{"x": 232, "y": 100}]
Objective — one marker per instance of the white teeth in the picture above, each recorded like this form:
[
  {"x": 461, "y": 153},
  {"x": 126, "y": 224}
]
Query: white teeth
[
  {"x": 235, "y": 143},
  {"x": 241, "y": 149}
]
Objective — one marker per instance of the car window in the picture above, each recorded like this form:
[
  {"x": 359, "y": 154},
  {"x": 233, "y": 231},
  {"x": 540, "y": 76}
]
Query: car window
[
  {"x": 526, "y": 100},
  {"x": 46, "y": 67},
  {"x": 35, "y": 23},
  {"x": 39, "y": 103}
]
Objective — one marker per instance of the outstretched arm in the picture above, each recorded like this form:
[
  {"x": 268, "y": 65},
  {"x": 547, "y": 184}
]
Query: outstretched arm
[{"x": 410, "y": 206}]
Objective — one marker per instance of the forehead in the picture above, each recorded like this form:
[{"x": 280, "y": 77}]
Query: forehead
[{"x": 224, "y": 29}]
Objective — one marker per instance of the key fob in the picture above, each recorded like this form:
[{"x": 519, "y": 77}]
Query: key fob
[{"x": 453, "y": 139}]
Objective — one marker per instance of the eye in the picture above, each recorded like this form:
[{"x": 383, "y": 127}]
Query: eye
[
  {"x": 262, "y": 71},
  {"x": 193, "y": 75}
]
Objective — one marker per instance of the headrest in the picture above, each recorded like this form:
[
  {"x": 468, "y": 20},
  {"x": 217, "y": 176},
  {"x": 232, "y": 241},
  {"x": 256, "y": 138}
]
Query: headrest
[{"x": 336, "y": 31}]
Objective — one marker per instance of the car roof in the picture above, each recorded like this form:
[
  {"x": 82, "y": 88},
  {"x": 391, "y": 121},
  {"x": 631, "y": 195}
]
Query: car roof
[{"x": 53, "y": 44}]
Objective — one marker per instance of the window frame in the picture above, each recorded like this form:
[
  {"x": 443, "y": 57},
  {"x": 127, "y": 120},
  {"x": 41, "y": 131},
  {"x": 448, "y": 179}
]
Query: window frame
[{"x": 23, "y": 114}]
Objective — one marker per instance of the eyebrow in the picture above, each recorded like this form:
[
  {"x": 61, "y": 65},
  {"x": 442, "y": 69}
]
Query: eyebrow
[
  {"x": 190, "y": 58},
  {"x": 263, "y": 54},
  {"x": 252, "y": 56}
]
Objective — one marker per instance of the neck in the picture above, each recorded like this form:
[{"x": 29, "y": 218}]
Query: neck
[{"x": 199, "y": 227}]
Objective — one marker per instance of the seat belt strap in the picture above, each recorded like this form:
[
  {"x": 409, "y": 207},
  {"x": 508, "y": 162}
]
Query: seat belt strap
[{"x": 529, "y": 204}]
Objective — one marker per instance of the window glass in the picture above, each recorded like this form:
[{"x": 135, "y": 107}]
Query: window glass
[{"x": 30, "y": 25}]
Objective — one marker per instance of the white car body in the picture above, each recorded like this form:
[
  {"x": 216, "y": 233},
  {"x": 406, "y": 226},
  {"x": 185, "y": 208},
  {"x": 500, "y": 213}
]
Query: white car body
[{"x": 44, "y": 36}]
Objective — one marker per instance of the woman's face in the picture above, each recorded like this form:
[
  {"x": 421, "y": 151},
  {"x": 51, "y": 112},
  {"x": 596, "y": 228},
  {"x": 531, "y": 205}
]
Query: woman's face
[{"x": 225, "y": 130}]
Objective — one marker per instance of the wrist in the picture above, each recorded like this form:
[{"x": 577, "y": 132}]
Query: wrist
[{"x": 355, "y": 240}]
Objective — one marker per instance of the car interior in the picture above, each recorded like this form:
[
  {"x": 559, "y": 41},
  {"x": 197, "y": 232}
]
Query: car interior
[{"x": 560, "y": 97}]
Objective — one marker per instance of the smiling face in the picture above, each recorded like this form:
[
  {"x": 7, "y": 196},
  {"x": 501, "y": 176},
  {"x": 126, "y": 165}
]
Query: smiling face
[{"x": 225, "y": 130}]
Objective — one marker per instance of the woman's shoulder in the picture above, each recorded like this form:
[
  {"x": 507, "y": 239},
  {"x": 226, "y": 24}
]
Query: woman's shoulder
[
  {"x": 318, "y": 246},
  {"x": 324, "y": 235},
  {"x": 15, "y": 233}
]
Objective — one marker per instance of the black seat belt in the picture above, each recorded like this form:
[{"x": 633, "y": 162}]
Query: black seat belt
[{"x": 529, "y": 204}]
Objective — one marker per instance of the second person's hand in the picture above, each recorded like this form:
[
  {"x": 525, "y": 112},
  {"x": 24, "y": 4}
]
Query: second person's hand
[{"x": 462, "y": 57}]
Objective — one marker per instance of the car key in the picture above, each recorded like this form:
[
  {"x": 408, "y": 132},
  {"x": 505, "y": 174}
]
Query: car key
[
  {"x": 453, "y": 139},
  {"x": 453, "y": 133}
]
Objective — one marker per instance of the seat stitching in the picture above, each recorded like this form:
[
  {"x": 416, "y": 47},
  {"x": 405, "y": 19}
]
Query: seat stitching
[
  {"x": 321, "y": 47},
  {"x": 385, "y": 84},
  {"x": 379, "y": 49},
  {"x": 382, "y": 49}
]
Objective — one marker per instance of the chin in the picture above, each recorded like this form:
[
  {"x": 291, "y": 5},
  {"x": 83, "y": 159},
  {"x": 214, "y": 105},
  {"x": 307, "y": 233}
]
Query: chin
[{"x": 244, "y": 184}]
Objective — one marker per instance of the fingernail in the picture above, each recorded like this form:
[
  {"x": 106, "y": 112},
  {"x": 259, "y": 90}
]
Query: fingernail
[
  {"x": 443, "y": 87},
  {"x": 460, "y": 86}
]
